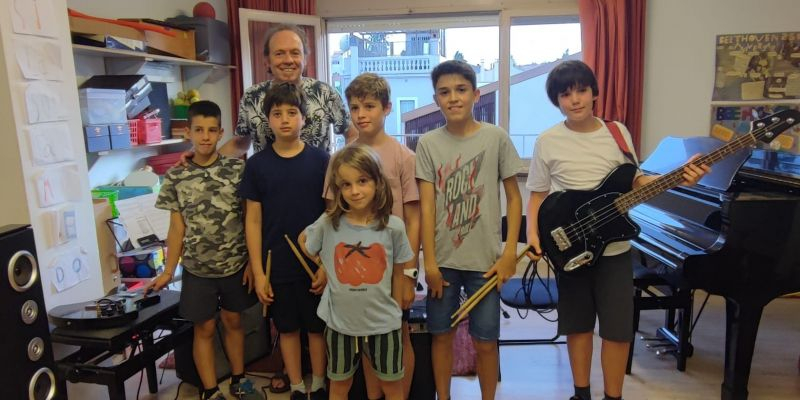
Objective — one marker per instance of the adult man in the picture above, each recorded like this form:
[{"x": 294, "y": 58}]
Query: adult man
[{"x": 285, "y": 51}]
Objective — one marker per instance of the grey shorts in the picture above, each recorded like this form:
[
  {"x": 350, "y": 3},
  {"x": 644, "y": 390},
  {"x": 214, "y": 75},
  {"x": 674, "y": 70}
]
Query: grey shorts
[
  {"x": 384, "y": 351},
  {"x": 604, "y": 292},
  {"x": 201, "y": 297}
]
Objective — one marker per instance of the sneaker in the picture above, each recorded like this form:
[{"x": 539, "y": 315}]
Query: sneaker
[
  {"x": 216, "y": 396},
  {"x": 245, "y": 390},
  {"x": 320, "y": 394},
  {"x": 297, "y": 395}
]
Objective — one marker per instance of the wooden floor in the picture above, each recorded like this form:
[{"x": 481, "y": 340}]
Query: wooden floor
[{"x": 542, "y": 371}]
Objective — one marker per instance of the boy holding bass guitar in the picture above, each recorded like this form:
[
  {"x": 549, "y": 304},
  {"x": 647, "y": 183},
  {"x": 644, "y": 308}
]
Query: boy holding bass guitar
[{"x": 578, "y": 154}]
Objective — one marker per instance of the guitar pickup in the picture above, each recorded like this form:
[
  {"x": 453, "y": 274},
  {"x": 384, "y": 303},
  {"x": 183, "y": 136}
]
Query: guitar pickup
[{"x": 560, "y": 238}]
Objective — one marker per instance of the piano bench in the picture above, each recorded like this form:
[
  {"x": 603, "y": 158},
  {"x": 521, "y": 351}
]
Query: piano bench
[{"x": 674, "y": 300}]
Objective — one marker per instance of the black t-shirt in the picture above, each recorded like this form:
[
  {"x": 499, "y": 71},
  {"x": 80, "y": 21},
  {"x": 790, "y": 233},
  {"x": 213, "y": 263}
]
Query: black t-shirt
[{"x": 290, "y": 193}]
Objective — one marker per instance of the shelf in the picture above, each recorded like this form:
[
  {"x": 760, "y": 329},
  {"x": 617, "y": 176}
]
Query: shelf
[
  {"x": 116, "y": 53},
  {"x": 165, "y": 142}
]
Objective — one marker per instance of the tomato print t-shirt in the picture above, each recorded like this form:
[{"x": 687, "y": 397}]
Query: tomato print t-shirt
[{"x": 359, "y": 261}]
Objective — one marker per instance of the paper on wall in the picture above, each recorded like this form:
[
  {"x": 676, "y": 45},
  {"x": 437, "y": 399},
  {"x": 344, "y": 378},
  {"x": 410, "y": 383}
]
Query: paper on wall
[
  {"x": 50, "y": 143},
  {"x": 33, "y": 17},
  {"x": 38, "y": 58},
  {"x": 44, "y": 102},
  {"x": 68, "y": 269},
  {"x": 58, "y": 185}
]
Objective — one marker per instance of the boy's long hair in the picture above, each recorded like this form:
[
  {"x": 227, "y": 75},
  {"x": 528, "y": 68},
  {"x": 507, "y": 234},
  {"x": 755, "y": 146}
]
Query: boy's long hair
[
  {"x": 369, "y": 84},
  {"x": 568, "y": 75},
  {"x": 364, "y": 159},
  {"x": 284, "y": 93}
]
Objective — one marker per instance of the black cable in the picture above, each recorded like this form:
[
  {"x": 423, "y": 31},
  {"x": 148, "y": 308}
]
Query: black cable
[
  {"x": 528, "y": 280},
  {"x": 141, "y": 373},
  {"x": 178, "y": 392}
]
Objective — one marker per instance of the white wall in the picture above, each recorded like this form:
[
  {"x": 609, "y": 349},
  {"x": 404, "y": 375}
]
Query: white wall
[{"x": 679, "y": 58}]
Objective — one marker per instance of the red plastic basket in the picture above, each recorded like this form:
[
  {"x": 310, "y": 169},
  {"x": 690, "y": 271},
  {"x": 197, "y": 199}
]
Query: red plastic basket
[
  {"x": 149, "y": 131},
  {"x": 133, "y": 126}
]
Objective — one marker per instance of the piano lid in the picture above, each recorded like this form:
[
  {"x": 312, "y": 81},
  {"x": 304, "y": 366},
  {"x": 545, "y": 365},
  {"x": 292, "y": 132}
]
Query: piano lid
[
  {"x": 673, "y": 152},
  {"x": 772, "y": 162}
]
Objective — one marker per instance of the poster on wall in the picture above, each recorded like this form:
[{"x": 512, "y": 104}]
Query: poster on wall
[
  {"x": 730, "y": 121},
  {"x": 757, "y": 66}
]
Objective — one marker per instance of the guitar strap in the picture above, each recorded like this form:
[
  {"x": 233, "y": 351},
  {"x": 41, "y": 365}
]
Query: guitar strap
[{"x": 621, "y": 143}]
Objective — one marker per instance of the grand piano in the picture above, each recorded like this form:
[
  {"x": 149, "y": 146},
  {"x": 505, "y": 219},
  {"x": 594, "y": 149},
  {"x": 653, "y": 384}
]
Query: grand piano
[{"x": 736, "y": 234}]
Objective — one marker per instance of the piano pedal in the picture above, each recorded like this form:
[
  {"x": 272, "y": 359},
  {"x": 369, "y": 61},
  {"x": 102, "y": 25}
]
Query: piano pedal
[
  {"x": 650, "y": 338},
  {"x": 655, "y": 346},
  {"x": 664, "y": 352}
]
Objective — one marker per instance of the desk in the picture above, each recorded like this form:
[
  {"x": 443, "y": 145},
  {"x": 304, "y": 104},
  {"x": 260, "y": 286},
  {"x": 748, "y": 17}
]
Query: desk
[{"x": 91, "y": 362}]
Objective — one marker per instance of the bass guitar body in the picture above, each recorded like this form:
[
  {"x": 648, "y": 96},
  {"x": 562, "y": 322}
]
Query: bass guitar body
[{"x": 575, "y": 226}]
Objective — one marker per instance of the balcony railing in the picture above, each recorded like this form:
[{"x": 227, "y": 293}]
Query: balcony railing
[{"x": 395, "y": 65}]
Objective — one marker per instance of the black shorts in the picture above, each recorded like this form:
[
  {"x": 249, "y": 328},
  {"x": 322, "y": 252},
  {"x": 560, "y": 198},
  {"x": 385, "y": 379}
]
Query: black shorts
[
  {"x": 201, "y": 297},
  {"x": 603, "y": 292},
  {"x": 295, "y": 308}
]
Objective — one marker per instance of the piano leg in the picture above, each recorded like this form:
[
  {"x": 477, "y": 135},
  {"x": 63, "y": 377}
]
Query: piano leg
[{"x": 740, "y": 339}]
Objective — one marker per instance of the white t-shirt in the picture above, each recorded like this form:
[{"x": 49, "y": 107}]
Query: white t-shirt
[{"x": 564, "y": 159}]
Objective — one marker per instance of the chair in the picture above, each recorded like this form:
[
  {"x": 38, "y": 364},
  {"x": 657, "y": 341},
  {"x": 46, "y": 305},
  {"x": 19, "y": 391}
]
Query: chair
[
  {"x": 662, "y": 294},
  {"x": 531, "y": 292}
]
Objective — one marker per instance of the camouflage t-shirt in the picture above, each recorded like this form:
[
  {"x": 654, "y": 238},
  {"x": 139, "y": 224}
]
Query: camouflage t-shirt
[
  {"x": 208, "y": 199},
  {"x": 324, "y": 107}
]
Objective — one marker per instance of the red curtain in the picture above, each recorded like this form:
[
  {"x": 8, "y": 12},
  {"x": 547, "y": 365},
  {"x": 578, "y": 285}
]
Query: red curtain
[
  {"x": 612, "y": 32},
  {"x": 288, "y": 6}
]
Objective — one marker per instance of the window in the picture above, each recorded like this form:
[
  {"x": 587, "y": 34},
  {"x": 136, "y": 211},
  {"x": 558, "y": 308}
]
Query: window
[
  {"x": 537, "y": 45},
  {"x": 404, "y": 51}
]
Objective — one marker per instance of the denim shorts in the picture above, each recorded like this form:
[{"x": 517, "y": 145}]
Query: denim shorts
[{"x": 484, "y": 319}]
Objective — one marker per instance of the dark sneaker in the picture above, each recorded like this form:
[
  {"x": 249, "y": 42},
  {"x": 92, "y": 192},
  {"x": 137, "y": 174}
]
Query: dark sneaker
[
  {"x": 320, "y": 394},
  {"x": 245, "y": 390},
  {"x": 216, "y": 396},
  {"x": 296, "y": 395}
]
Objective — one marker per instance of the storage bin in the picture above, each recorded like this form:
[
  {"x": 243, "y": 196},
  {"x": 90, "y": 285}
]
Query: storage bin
[
  {"x": 102, "y": 106},
  {"x": 145, "y": 131},
  {"x": 163, "y": 162}
]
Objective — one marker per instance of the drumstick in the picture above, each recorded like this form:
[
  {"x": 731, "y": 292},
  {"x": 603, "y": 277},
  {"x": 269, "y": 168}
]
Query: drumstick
[
  {"x": 269, "y": 271},
  {"x": 476, "y": 296},
  {"x": 299, "y": 257}
]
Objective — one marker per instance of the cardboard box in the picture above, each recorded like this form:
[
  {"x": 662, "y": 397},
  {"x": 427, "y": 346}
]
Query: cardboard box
[
  {"x": 100, "y": 143},
  {"x": 211, "y": 38},
  {"x": 83, "y": 26},
  {"x": 95, "y": 130},
  {"x": 180, "y": 45}
]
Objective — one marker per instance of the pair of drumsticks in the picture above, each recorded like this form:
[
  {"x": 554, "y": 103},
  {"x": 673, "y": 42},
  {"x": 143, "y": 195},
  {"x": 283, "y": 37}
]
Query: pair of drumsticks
[
  {"x": 299, "y": 258},
  {"x": 473, "y": 300}
]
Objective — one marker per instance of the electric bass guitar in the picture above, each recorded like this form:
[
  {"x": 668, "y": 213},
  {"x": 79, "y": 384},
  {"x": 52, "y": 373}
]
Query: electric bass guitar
[{"x": 575, "y": 226}]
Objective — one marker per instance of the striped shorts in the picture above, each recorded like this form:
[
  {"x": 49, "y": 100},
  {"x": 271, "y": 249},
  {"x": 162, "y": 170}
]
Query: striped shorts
[{"x": 384, "y": 351}]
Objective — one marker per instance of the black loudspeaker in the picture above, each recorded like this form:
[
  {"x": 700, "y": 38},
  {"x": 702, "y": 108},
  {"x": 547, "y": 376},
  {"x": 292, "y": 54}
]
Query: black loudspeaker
[{"x": 25, "y": 336}]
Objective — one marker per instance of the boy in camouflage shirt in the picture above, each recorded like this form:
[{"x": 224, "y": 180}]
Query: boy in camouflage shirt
[{"x": 206, "y": 232}]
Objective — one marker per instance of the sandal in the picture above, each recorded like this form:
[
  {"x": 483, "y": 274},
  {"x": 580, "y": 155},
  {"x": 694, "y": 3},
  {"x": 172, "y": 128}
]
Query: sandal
[{"x": 282, "y": 378}]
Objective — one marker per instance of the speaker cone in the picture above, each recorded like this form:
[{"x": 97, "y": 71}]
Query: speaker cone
[{"x": 22, "y": 271}]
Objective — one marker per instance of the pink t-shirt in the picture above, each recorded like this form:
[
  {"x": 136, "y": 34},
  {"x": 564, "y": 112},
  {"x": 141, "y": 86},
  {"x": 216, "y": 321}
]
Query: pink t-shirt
[{"x": 399, "y": 167}]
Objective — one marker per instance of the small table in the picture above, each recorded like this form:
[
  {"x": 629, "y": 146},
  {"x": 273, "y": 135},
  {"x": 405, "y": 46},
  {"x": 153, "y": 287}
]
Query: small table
[{"x": 97, "y": 346}]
